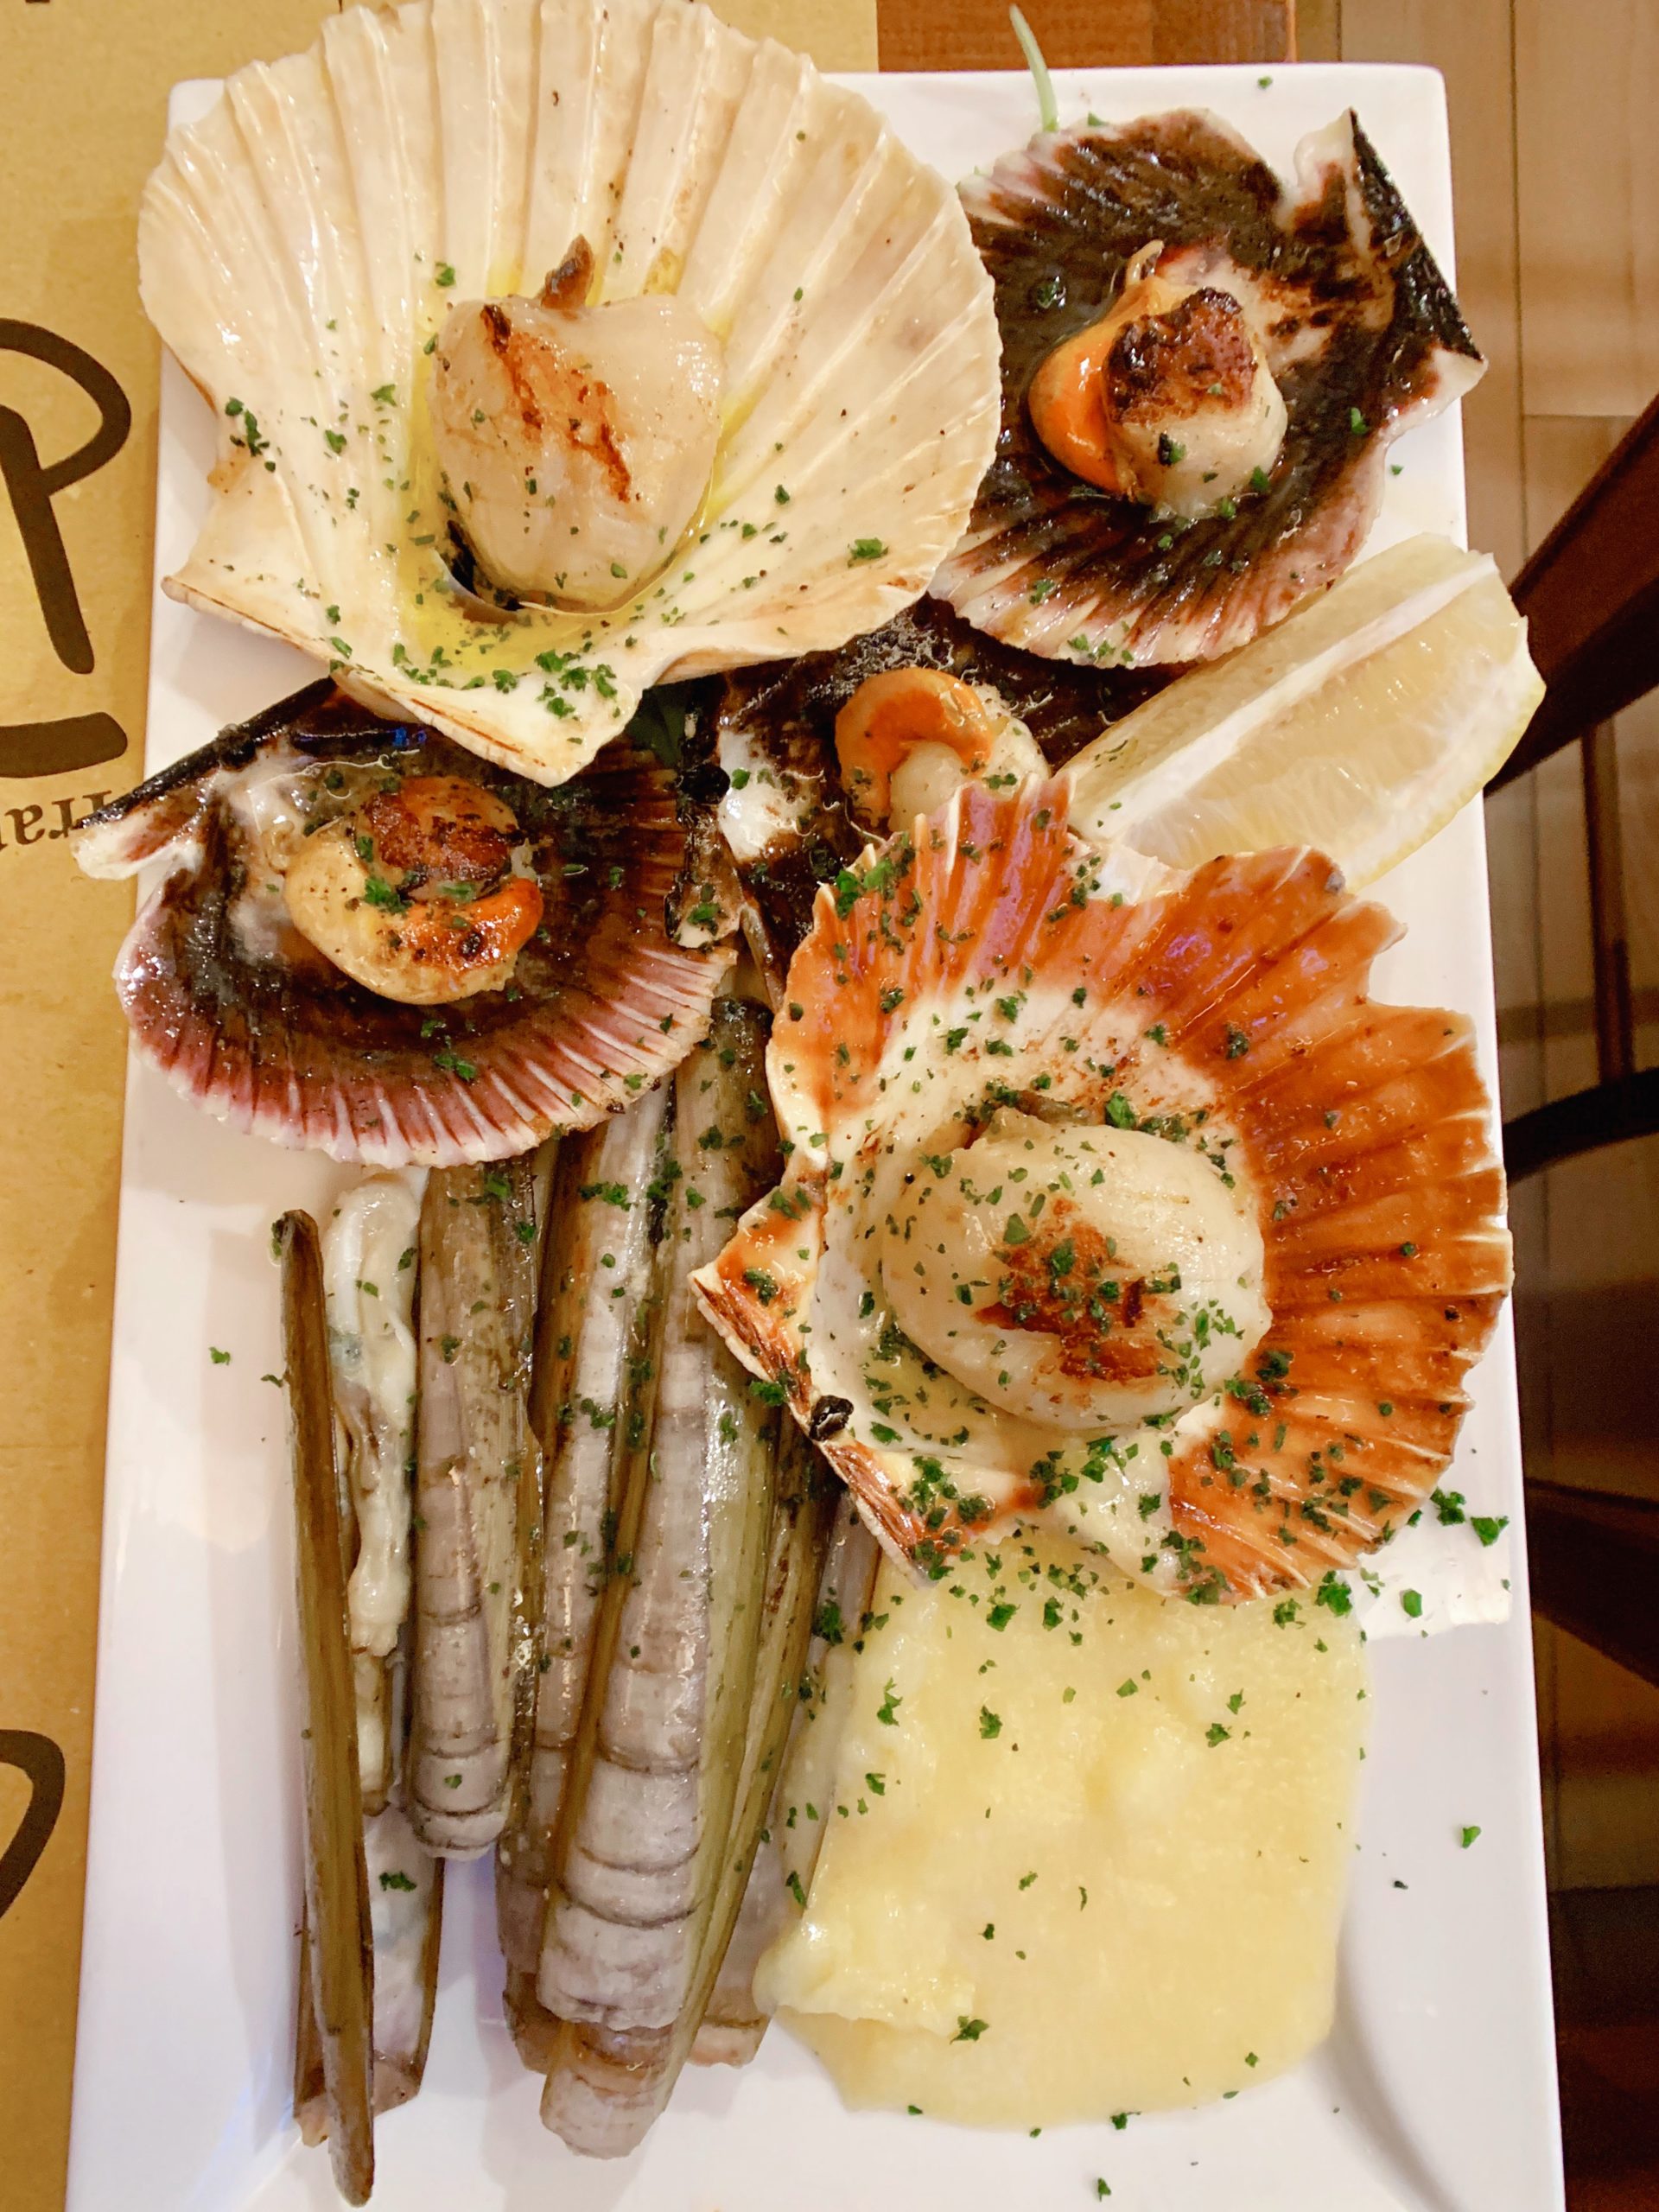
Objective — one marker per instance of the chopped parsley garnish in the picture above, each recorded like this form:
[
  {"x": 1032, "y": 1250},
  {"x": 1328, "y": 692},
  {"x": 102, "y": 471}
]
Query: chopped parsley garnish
[{"x": 1334, "y": 1592}]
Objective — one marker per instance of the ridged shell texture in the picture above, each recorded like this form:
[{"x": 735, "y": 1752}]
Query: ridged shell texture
[
  {"x": 300, "y": 245},
  {"x": 993, "y": 960}
]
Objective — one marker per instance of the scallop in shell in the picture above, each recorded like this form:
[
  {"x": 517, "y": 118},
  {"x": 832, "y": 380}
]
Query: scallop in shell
[
  {"x": 785, "y": 813},
  {"x": 228, "y": 993},
  {"x": 348, "y": 254},
  {"x": 1325, "y": 280},
  {"x": 1115, "y": 1205}
]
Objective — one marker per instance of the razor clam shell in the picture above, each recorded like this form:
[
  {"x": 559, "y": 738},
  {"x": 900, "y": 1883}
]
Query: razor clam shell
[
  {"x": 406, "y": 1924},
  {"x": 245, "y": 1019},
  {"x": 1360, "y": 328},
  {"x": 335, "y": 2042},
  {"x": 300, "y": 243}
]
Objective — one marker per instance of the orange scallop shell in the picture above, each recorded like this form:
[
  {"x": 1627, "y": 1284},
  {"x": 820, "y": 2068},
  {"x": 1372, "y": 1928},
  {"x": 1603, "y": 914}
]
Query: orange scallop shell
[{"x": 1362, "y": 1132}]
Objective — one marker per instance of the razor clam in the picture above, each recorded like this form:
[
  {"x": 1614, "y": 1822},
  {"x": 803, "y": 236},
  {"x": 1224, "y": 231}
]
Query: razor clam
[
  {"x": 338, "y": 1979},
  {"x": 656, "y": 1765},
  {"x": 608, "y": 2086},
  {"x": 731, "y": 2030},
  {"x": 597, "y": 1274},
  {"x": 406, "y": 1918},
  {"x": 753, "y": 1890},
  {"x": 369, "y": 1250},
  {"x": 478, "y": 1500}
]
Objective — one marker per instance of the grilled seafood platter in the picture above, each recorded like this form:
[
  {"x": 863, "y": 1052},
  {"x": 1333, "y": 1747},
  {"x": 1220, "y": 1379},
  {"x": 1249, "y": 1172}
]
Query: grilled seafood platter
[{"x": 848, "y": 1262}]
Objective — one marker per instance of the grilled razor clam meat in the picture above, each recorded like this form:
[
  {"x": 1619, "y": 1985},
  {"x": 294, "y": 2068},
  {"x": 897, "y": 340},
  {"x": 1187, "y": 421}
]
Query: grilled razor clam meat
[
  {"x": 477, "y": 1496},
  {"x": 1319, "y": 286},
  {"x": 576, "y": 442},
  {"x": 596, "y": 1278},
  {"x": 606, "y": 2086},
  {"x": 252, "y": 1022},
  {"x": 406, "y": 1920},
  {"x": 368, "y": 1258}
]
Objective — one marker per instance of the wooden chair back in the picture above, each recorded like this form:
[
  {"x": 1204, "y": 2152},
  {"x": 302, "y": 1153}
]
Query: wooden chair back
[{"x": 1591, "y": 597}]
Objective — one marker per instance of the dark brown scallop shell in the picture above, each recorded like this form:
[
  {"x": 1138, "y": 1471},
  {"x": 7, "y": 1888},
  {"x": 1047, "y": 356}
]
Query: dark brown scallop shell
[
  {"x": 787, "y": 713},
  {"x": 251, "y": 1023},
  {"x": 1362, "y": 335}
]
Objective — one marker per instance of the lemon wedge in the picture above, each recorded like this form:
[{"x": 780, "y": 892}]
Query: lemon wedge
[{"x": 1360, "y": 725}]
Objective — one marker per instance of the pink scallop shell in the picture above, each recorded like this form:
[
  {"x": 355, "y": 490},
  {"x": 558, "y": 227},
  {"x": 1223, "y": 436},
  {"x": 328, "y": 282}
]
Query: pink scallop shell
[{"x": 260, "y": 1032}]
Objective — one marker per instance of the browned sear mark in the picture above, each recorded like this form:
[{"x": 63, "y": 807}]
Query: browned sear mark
[
  {"x": 1062, "y": 1281},
  {"x": 1179, "y": 363},
  {"x": 438, "y": 830},
  {"x": 566, "y": 285}
]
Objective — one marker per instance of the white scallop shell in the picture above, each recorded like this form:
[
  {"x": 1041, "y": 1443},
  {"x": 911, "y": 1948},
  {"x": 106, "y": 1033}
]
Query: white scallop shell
[{"x": 300, "y": 245}]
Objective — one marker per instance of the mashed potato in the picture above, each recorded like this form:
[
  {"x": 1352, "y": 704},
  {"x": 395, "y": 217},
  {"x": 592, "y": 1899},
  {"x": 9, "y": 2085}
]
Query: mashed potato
[{"x": 1082, "y": 1851}]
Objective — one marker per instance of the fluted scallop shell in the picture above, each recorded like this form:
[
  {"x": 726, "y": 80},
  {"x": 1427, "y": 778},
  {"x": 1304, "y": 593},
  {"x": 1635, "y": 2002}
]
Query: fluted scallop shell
[
  {"x": 1228, "y": 1009},
  {"x": 784, "y": 816},
  {"x": 300, "y": 247},
  {"x": 248, "y": 1023},
  {"x": 1362, "y": 333}
]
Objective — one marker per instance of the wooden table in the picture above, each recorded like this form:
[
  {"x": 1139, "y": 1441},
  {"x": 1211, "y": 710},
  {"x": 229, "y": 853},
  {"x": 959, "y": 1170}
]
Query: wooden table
[{"x": 975, "y": 35}]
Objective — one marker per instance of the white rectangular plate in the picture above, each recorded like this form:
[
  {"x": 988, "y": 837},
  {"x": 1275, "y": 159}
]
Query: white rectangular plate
[{"x": 1435, "y": 2094}]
